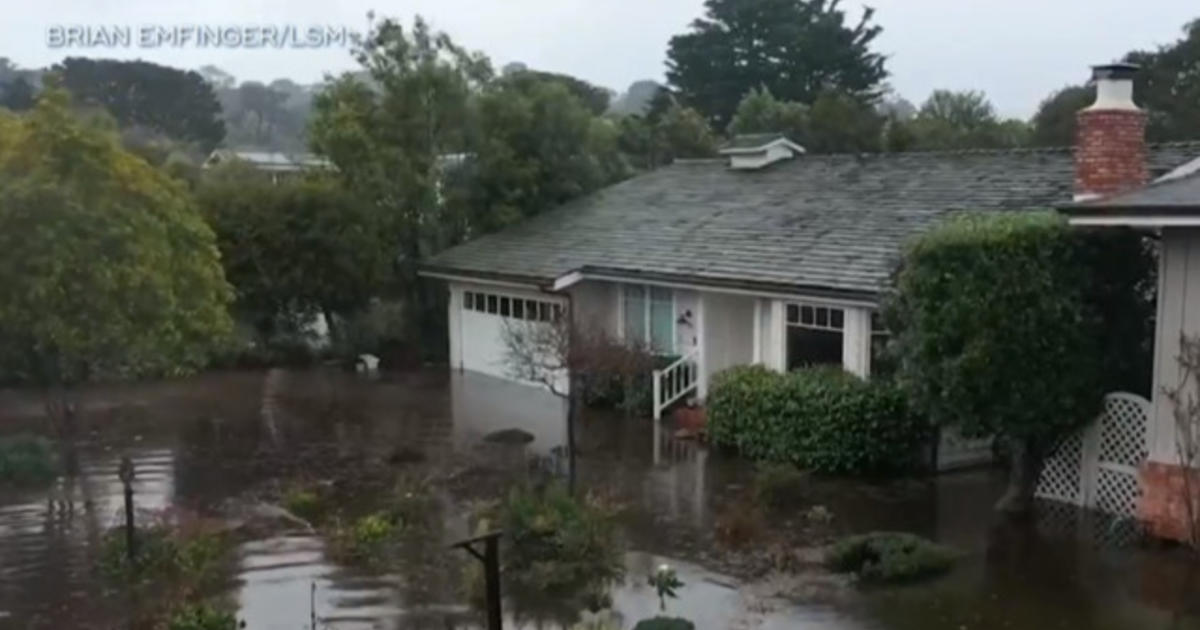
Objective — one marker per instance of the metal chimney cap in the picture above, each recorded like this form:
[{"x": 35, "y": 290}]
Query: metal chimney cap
[{"x": 1115, "y": 71}]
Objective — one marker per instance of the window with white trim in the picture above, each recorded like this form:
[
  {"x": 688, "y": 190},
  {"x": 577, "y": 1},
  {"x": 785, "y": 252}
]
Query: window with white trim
[
  {"x": 648, "y": 316},
  {"x": 814, "y": 335},
  {"x": 511, "y": 306}
]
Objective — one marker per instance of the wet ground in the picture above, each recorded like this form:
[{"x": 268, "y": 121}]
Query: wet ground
[{"x": 196, "y": 443}]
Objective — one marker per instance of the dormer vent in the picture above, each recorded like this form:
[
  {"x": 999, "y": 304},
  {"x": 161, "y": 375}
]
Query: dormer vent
[{"x": 755, "y": 151}]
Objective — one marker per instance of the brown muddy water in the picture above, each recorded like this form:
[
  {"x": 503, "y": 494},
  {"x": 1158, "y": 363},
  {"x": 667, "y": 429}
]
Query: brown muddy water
[{"x": 211, "y": 444}]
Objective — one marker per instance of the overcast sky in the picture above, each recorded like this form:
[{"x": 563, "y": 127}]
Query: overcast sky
[{"x": 1015, "y": 50}]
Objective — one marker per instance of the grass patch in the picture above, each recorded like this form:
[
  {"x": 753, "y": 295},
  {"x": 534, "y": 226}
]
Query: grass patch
[
  {"x": 889, "y": 557},
  {"x": 306, "y": 503},
  {"x": 27, "y": 460}
]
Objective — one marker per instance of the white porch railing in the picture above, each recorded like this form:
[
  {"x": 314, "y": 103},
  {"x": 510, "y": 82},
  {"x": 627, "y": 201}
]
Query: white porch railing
[{"x": 675, "y": 381}]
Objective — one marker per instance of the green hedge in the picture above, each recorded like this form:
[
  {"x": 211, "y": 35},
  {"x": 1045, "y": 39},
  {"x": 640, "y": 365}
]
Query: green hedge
[{"x": 823, "y": 419}]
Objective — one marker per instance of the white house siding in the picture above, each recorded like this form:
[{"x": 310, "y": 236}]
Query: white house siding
[
  {"x": 727, "y": 334},
  {"x": 1178, "y": 312},
  {"x": 593, "y": 303}
]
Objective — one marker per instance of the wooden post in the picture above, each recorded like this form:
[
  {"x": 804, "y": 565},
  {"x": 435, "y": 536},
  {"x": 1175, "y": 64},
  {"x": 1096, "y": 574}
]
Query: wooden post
[
  {"x": 125, "y": 473},
  {"x": 491, "y": 572}
]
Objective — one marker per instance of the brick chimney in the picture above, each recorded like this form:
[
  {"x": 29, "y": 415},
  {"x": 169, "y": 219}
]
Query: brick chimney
[{"x": 1110, "y": 141}]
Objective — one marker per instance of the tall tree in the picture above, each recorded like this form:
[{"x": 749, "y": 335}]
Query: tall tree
[
  {"x": 108, "y": 270},
  {"x": 1169, "y": 87},
  {"x": 841, "y": 123},
  {"x": 594, "y": 97},
  {"x": 17, "y": 95},
  {"x": 295, "y": 248},
  {"x": 760, "y": 112},
  {"x": 178, "y": 103},
  {"x": 387, "y": 137},
  {"x": 956, "y": 120},
  {"x": 796, "y": 49},
  {"x": 1054, "y": 123}
]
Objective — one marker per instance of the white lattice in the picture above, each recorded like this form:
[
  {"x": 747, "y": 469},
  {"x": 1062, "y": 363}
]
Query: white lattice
[
  {"x": 1098, "y": 468},
  {"x": 1060, "y": 475}
]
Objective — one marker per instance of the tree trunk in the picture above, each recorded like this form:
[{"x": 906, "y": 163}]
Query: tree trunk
[{"x": 1025, "y": 464}]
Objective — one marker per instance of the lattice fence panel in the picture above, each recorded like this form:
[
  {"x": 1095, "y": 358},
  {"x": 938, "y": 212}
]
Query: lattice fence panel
[
  {"x": 1098, "y": 468},
  {"x": 1123, "y": 430},
  {"x": 1060, "y": 480}
]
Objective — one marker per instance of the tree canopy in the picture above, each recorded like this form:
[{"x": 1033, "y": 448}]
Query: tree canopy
[
  {"x": 175, "y": 102},
  {"x": 108, "y": 270},
  {"x": 1168, "y": 86},
  {"x": 1054, "y": 123},
  {"x": 955, "y": 120},
  {"x": 796, "y": 49},
  {"x": 297, "y": 247}
]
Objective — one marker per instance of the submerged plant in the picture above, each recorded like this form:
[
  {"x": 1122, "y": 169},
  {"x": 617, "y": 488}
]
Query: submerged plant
[
  {"x": 305, "y": 503},
  {"x": 889, "y": 557},
  {"x": 202, "y": 616},
  {"x": 163, "y": 554},
  {"x": 780, "y": 486},
  {"x": 27, "y": 459}
]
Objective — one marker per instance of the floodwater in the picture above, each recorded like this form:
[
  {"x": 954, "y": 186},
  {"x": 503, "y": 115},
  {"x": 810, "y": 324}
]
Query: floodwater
[{"x": 202, "y": 444}]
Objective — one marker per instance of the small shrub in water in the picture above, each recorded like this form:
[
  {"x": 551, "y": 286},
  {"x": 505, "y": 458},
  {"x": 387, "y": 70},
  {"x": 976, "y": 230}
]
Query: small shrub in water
[
  {"x": 739, "y": 524},
  {"x": 162, "y": 554},
  {"x": 27, "y": 459},
  {"x": 202, "y": 617},
  {"x": 780, "y": 486},
  {"x": 305, "y": 503},
  {"x": 889, "y": 557},
  {"x": 665, "y": 623},
  {"x": 665, "y": 583},
  {"x": 364, "y": 541},
  {"x": 560, "y": 545}
]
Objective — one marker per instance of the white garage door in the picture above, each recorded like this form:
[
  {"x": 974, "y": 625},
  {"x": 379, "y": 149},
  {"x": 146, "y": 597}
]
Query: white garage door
[{"x": 483, "y": 321}]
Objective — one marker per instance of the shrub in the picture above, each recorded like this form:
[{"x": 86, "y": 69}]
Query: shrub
[
  {"x": 27, "y": 459},
  {"x": 1015, "y": 324},
  {"x": 780, "y": 486},
  {"x": 305, "y": 503},
  {"x": 664, "y": 623},
  {"x": 739, "y": 524},
  {"x": 889, "y": 557},
  {"x": 365, "y": 540},
  {"x": 202, "y": 617},
  {"x": 559, "y": 545},
  {"x": 163, "y": 554},
  {"x": 822, "y": 419}
]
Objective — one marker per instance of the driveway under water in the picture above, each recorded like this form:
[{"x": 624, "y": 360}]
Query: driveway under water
[{"x": 197, "y": 443}]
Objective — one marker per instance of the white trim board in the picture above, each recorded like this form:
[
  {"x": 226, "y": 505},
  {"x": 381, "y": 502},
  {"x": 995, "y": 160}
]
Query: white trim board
[{"x": 1137, "y": 221}]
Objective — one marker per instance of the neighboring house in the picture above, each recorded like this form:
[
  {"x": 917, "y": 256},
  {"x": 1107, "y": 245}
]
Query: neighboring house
[
  {"x": 1113, "y": 192},
  {"x": 765, "y": 256},
  {"x": 274, "y": 163}
]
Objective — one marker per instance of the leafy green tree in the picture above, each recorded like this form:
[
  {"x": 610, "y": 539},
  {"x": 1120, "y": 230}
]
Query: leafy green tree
[
  {"x": 594, "y": 97},
  {"x": 956, "y": 120},
  {"x": 840, "y": 123},
  {"x": 1004, "y": 324},
  {"x": 108, "y": 271},
  {"x": 176, "y": 102},
  {"x": 1054, "y": 123},
  {"x": 760, "y": 112},
  {"x": 796, "y": 49},
  {"x": 683, "y": 132},
  {"x": 296, "y": 248},
  {"x": 18, "y": 95},
  {"x": 387, "y": 130},
  {"x": 538, "y": 146},
  {"x": 1168, "y": 86}
]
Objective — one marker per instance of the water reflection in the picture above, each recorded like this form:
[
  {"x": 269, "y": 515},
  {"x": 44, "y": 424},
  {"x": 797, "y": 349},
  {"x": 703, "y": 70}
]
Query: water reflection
[{"x": 198, "y": 442}]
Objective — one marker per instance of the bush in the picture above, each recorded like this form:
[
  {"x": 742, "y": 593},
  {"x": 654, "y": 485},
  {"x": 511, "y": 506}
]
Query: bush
[
  {"x": 305, "y": 503},
  {"x": 163, "y": 554},
  {"x": 822, "y": 419},
  {"x": 202, "y": 617},
  {"x": 664, "y": 623},
  {"x": 1015, "y": 325},
  {"x": 365, "y": 540},
  {"x": 889, "y": 557},
  {"x": 27, "y": 459},
  {"x": 559, "y": 545}
]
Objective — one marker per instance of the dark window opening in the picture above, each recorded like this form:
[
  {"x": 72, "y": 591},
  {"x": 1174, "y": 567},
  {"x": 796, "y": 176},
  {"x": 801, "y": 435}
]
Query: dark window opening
[
  {"x": 518, "y": 309},
  {"x": 807, "y": 347},
  {"x": 468, "y": 300},
  {"x": 504, "y": 303},
  {"x": 493, "y": 304}
]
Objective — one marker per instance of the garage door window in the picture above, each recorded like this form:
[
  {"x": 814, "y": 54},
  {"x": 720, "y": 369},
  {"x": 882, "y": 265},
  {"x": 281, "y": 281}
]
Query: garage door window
[{"x": 511, "y": 306}]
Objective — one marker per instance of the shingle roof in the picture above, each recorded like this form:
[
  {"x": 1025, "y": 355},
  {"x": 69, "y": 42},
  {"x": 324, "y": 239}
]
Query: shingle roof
[
  {"x": 1178, "y": 194},
  {"x": 829, "y": 222}
]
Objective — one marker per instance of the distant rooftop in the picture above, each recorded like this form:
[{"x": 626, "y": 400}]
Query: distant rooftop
[{"x": 269, "y": 160}]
